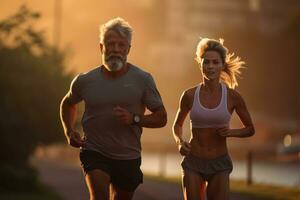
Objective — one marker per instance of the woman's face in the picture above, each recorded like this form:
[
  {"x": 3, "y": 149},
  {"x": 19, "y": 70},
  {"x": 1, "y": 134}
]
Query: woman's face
[{"x": 211, "y": 65}]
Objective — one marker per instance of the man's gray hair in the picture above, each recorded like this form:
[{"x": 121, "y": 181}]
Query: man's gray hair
[{"x": 119, "y": 25}]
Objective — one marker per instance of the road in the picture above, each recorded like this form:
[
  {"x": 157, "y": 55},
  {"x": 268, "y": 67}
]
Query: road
[{"x": 67, "y": 180}]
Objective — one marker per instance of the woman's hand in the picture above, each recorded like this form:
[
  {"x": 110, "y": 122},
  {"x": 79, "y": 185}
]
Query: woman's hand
[
  {"x": 224, "y": 132},
  {"x": 242, "y": 132},
  {"x": 184, "y": 148}
]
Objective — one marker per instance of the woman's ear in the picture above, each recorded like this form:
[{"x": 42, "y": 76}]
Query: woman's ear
[{"x": 224, "y": 66}]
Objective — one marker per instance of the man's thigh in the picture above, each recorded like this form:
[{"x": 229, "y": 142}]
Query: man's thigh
[
  {"x": 126, "y": 175},
  {"x": 98, "y": 184},
  {"x": 117, "y": 193}
]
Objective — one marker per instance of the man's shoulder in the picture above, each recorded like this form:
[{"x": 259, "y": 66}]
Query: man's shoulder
[
  {"x": 89, "y": 74},
  {"x": 138, "y": 70},
  {"x": 141, "y": 74}
]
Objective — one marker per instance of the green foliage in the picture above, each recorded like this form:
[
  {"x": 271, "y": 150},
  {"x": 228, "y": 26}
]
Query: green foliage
[
  {"x": 32, "y": 83},
  {"x": 25, "y": 178},
  {"x": 37, "y": 192},
  {"x": 17, "y": 30}
]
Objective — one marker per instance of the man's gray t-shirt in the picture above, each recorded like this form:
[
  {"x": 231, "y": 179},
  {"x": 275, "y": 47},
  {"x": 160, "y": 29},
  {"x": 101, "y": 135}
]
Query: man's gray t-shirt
[{"x": 134, "y": 91}]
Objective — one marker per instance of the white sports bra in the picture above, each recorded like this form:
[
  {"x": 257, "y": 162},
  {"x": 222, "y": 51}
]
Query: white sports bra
[{"x": 217, "y": 117}]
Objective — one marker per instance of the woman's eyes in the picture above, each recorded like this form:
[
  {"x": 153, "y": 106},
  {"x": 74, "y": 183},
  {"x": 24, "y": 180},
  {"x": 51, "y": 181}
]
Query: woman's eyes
[{"x": 215, "y": 62}]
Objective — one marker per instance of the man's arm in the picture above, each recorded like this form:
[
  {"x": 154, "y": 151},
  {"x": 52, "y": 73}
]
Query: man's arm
[
  {"x": 183, "y": 110},
  {"x": 157, "y": 118},
  {"x": 68, "y": 114}
]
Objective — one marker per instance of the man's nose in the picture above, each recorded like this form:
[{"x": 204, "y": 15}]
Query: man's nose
[{"x": 116, "y": 48}]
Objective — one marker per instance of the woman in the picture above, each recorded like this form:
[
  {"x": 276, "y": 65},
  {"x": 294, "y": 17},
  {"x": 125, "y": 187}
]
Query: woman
[{"x": 211, "y": 104}]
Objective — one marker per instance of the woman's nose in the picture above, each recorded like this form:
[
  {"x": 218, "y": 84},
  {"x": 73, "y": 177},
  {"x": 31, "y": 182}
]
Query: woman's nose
[{"x": 210, "y": 65}]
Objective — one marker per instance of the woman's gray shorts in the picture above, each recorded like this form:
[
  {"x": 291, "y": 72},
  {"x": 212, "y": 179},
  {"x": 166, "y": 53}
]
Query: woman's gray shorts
[{"x": 207, "y": 168}]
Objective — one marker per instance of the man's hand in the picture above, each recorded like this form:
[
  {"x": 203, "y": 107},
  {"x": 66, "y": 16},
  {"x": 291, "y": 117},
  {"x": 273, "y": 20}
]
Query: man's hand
[
  {"x": 123, "y": 115},
  {"x": 184, "y": 148},
  {"x": 75, "y": 140}
]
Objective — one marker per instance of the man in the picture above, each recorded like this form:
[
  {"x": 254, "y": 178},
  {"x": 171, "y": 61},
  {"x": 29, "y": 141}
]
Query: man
[{"x": 115, "y": 96}]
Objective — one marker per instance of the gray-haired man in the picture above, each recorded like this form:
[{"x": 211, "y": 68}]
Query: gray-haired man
[{"x": 116, "y": 95}]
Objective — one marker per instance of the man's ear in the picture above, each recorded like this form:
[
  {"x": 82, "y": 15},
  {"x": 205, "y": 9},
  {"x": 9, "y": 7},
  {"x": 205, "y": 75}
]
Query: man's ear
[
  {"x": 128, "y": 49},
  {"x": 101, "y": 47}
]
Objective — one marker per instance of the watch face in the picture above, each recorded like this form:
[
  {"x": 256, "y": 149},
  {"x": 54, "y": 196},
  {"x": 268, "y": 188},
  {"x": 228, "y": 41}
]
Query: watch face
[{"x": 136, "y": 118}]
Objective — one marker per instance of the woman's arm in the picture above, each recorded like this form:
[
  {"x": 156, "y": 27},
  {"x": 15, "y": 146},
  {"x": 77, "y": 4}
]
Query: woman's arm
[{"x": 244, "y": 115}]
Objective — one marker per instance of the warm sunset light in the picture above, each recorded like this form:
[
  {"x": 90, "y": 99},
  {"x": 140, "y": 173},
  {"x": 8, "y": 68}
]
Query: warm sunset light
[
  {"x": 287, "y": 140},
  {"x": 49, "y": 123}
]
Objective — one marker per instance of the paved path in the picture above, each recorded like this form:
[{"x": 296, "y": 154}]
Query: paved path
[{"x": 67, "y": 179}]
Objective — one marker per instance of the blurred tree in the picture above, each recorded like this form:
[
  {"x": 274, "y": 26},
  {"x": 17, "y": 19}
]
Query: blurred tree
[{"x": 32, "y": 83}]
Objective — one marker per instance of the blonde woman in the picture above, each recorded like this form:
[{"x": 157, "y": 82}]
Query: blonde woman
[{"x": 211, "y": 104}]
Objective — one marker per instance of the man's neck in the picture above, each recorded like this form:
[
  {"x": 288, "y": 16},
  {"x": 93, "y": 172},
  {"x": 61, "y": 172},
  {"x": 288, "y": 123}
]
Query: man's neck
[{"x": 115, "y": 74}]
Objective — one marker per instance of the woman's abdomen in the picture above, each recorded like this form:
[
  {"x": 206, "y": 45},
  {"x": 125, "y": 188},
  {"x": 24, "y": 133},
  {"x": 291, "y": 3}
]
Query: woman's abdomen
[{"x": 207, "y": 143}]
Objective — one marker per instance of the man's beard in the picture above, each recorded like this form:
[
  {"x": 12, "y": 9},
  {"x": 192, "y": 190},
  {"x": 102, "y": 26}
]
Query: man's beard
[{"x": 113, "y": 62}]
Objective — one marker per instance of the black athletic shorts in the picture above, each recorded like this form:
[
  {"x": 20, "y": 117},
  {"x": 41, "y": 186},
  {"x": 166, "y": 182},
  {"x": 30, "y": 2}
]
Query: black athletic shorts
[{"x": 125, "y": 174}]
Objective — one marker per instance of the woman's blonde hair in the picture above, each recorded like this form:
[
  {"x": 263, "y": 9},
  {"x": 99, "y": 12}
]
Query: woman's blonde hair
[{"x": 232, "y": 65}]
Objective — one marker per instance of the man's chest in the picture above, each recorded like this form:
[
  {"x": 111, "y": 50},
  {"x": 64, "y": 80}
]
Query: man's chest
[{"x": 112, "y": 93}]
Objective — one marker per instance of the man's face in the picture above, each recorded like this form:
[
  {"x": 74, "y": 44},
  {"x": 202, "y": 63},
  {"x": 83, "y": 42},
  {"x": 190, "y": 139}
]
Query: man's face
[{"x": 114, "y": 51}]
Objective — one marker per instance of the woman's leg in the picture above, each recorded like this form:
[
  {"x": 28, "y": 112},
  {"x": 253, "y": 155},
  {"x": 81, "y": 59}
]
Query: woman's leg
[
  {"x": 218, "y": 186},
  {"x": 193, "y": 186}
]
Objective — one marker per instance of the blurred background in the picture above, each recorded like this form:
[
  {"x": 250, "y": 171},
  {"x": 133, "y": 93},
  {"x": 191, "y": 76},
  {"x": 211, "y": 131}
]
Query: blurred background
[{"x": 44, "y": 44}]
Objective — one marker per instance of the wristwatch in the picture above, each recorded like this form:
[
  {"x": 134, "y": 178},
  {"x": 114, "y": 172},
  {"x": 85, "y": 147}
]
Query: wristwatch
[{"x": 136, "y": 119}]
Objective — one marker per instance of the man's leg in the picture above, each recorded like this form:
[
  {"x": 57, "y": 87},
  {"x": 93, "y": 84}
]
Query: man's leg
[
  {"x": 98, "y": 184},
  {"x": 119, "y": 194},
  {"x": 218, "y": 186},
  {"x": 126, "y": 176},
  {"x": 193, "y": 186}
]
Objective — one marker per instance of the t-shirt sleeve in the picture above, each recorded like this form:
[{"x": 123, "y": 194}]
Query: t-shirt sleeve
[
  {"x": 74, "y": 94},
  {"x": 151, "y": 96}
]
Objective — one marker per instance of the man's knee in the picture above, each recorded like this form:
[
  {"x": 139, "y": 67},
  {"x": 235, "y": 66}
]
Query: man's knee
[{"x": 119, "y": 194}]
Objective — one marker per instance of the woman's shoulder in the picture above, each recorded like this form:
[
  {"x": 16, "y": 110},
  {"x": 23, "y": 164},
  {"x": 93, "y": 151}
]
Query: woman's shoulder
[
  {"x": 190, "y": 92},
  {"x": 234, "y": 95},
  {"x": 187, "y": 97}
]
